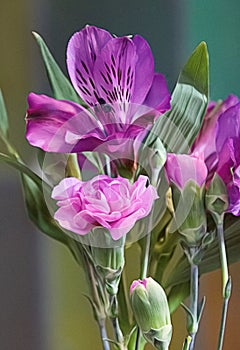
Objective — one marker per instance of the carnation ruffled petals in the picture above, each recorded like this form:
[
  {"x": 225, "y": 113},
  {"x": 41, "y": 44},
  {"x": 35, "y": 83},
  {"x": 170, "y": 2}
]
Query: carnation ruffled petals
[{"x": 113, "y": 203}]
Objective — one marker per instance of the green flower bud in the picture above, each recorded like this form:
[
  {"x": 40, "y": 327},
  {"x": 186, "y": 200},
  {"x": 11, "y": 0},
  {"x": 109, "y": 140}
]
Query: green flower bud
[
  {"x": 158, "y": 155},
  {"x": 151, "y": 158},
  {"x": 108, "y": 258},
  {"x": 189, "y": 214},
  {"x": 216, "y": 198},
  {"x": 151, "y": 312}
]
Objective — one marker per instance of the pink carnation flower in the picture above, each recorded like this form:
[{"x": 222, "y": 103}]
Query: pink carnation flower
[
  {"x": 182, "y": 168},
  {"x": 113, "y": 203}
]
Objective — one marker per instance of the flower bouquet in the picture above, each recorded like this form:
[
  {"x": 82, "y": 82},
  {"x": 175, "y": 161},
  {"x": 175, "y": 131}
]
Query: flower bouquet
[{"x": 123, "y": 162}]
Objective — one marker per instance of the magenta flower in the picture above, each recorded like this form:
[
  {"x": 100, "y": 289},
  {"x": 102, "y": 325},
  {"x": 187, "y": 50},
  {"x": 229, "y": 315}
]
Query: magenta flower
[
  {"x": 205, "y": 142},
  {"x": 219, "y": 141},
  {"x": 228, "y": 151},
  {"x": 181, "y": 168},
  {"x": 116, "y": 79},
  {"x": 113, "y": 203}
]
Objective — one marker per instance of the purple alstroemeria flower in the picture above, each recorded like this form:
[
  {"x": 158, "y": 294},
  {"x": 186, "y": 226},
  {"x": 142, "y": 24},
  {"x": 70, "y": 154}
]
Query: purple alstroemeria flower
[
  {"x": 219, "y": 141},
  {"x": 116, "y": 79},
  {"x": 205, "y": 142},
  {"x": 181, "y": 168},
  {"x": 228, "y": 150},
  {"x": 113, "y": 203}
]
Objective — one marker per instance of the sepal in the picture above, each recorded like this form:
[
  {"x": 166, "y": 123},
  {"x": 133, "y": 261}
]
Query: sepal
[
  {"x": 107, "y": 257},
  {"x": 160, "y": 338},
  {"x": 216, "y": 198}
]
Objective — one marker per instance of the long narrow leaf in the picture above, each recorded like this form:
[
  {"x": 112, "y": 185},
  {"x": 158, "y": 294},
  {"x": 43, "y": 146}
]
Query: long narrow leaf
[
  {"x": 179, "y": 127},
  {"x": 35, "y": 199},
  {"x": 61, "y": 87},
  {"x": 3, "y": 118}
]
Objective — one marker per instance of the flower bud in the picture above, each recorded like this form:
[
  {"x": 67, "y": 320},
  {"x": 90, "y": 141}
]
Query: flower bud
[
  {"x": 189, "y": 215},
  {"x": 151, "y": 312},
  {"x": 158, "y": 155},
  {"x": 108, "y": 259},
  {"x": 216, "y": 197},
  {"x": 152, "y": 158}
]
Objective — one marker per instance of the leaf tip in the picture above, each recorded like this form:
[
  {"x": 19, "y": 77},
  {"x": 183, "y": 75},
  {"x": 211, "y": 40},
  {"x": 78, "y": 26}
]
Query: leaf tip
[{"x": 36, "y": 35}]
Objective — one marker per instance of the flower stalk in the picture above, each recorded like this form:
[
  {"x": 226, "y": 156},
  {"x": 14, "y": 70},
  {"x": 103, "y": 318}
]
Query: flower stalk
[
  {"x": 226, "y": 283},
  {"x": 193, "y": 303},
  {"x": 115, "y": 321},
  {"x": 217, "y": 203},
  {"x": 103, "y": 334},
  {"x": 144, "y": 271},
  {"x": 97, "y": 302}
]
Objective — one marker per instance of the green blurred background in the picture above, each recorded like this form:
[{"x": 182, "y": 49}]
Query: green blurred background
[{"x": 42, "y": 306}]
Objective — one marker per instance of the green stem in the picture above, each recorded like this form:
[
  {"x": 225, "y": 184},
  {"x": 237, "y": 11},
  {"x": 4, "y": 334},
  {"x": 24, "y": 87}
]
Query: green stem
[
  {"x": 223, "y": 257},
  {"x": 146, "y": 256},
  {"x": 226, "y": 283},
  {"x": 138, "y": 339},
  {"x": 187, "y": 342},
  {"x": 97, "y": 306},
  {"x": 118, "y": 333},
  {"x": 115, "y": 321},
  {"x": 194, "y": 303},
  {"x": 144, "y": 271},
  {"x": 103, "y": 333},
  {"x": 223, "y": 324}
]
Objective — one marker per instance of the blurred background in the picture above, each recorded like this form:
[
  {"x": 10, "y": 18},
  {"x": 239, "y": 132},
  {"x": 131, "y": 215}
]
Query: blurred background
[{"x": 42, "y": 306}]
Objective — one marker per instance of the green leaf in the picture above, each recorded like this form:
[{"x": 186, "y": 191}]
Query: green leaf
[
  {"x": 3, "y": 117},
  {"x": 179, "y": 127},
  {"x": 195, "y": 72},
  {"x": 61, "y": 87},
  {"x": 21, "y": 167},
  {"x": 35, "y": 198},
  {"x": 125, "y": 311},
  {"x": 177, "y": 294},
  {"x": 38, "y": 211}
]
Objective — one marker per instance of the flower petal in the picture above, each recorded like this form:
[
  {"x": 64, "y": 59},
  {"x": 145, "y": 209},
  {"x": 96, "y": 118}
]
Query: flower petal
[
  {"x": 60, "y": 126},
  {"x": 121, "y": 227},
  {"x": 66, "y": 188},
  {"x": 83, "y": 48},
  {"x": 158, "y": 96},
  {"x": 114, "y": 71},
  {"x": 228, "y": 126},
  {"x": 144, "y": 70},
  {"x": 69, "y": 219}
]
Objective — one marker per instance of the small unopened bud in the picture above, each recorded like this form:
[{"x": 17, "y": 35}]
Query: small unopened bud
[
  {"x": 216, "y": 197},
  {"x": 157, "y": 155},
  {"x": 151, "y": 157},
  {"x": 151, "y": 312},
  {"x": 108, "y": 258},
  {"x": 189, "y": 215}
]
